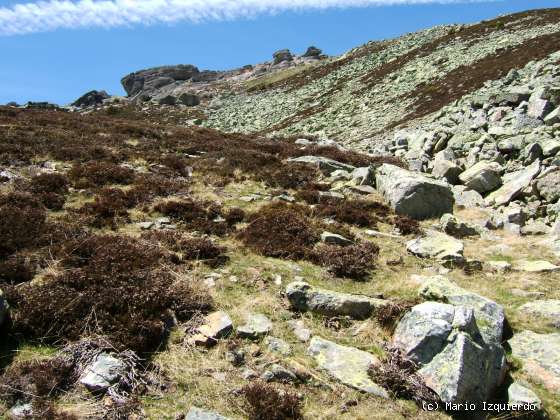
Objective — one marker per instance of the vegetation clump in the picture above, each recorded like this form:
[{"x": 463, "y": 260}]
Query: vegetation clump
[
  {"x": 354, "y": 261},
  {"x": 100, "y": 173},
  {"x": 265, "y": 401},
  {"x": 112, "y": 286},
  {"x": 280, "y": 230}
]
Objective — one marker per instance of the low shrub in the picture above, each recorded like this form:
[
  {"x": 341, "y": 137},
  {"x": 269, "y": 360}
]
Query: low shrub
[
  {"x": 49, "y": 183},
  {"x": 398, "y": 375},
  {"x": 190, "y": 248},
  {"x": 265, "y": 401},
  {"x": 108, "y": 207},
  {"x": 290, "y": 176},
  {"x": 407, "y": 226},
  {"x": 177, "y": 164},
  {"x": 22, "y": 219},
  {"x": 354, "y": 261},
  {"x": 100, "y": 173},
  {"x": 280, "y": 230},
  {"x": 23, "y": 382},
  {"x": 360, "y": 213},
  {"x": 113, "y": 286},
  {"x": 16, "y": 269},
  {"x": 149, "y": 186}
]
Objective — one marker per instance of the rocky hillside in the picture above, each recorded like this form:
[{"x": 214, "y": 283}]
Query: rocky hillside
[{"x": 368, "y": 236}]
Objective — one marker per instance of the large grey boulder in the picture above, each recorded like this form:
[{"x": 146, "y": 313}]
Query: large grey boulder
[
  {"x": 196, "y": 413},
  {"x": 281, "y": 56},
  {"x": 91, "y": 98},
  {"x": 455, "y": 361},
  {"x": 548, "y": 186},
  {"x": 490, "y": 315},
  {"x": 540, "y": 357},
  {"x": 546, "y": 310},
  {"x": 422, "y": 332},
  {"x": 188, "y": 99},
  {"x": 438, "y": 246},
  {"x": 304, "y": 297},
  {"x": 104, "y": 371},
  {"x": 447, "y": 170},
  {"x": 313, "y": 52},
  {"x": 512, "y": 188},
  {"x": 458, "y": 228},
  {"x": 346, "y": 364},
  {"x": 152, "y": 79},
  {"x": 521, "y": 396},
  {"x": 325, "y": 165},
  {"x": 483, "y": 176},
  {"x": 413, "y": 194}
]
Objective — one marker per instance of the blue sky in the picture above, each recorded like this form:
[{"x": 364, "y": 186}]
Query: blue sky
[{"x": 61, "y": 64}]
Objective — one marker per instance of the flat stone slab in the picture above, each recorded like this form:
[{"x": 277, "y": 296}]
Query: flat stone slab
[
  {"x": 535, "y": 267},
  {"x": 258, "y": 325},
  {"x": 196, "y": 413},
  {"x": 438, "y": 246},
  {"x": 513, "y": 188},
  {"x": 215, "y": 326},
  {"x": 547, "y": 310},
  {"x": 304, "y": 297},
  {"x": 346, "y": 364},
  {"x": 540, "y": 356}
]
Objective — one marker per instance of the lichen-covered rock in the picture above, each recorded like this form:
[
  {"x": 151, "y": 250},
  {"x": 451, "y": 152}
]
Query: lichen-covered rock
[
  {"x": 458, "y": 228},
  {"x": 519, "y": 395},
  {"x": 483, "y": 176},
  {"x": 325, "y": 165},
  {"x": 547, "y": 310},
  {"x": 467, "y": 198},
  {"x": 103, "y": 372},
  {"x": 490, "y": 315},
  {"x": 447, "y": 170},
  {"x": 535, "y": 266},
  {"x": 413, "y": 194},
  {"x": 304, "y": 297},
  {"x": 548, "y": 186},
  {"x": 513, "y": 187},
  {"x": 346, "y": 364},
  {"x": 334, "y": 239},
  {"x": 438, "y": 246},
  {"x": 258, "y": 325},
  {"x": 196, "y": 413},
  {"x": 277, "y": 345},
  {"x": 215, "y": 326},
  {"x": 540, "y": 357}
]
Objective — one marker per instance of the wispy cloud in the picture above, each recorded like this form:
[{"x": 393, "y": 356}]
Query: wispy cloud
[{"x": 24, "y": 18}]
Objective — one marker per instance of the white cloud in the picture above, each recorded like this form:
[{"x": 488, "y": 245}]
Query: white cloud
[{"x": 49, "y": 15}]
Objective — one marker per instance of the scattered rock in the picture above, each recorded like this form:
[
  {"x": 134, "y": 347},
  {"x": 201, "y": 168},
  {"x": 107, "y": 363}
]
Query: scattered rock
[
  {"x": 298, "y": 327},
  {"x": 215, "y": 326},
  {"x": 105, "y": 371},
  {"x": 447, "y": 170},
  {"x": 548, "y": 186},
  {"x": 540, "y": 356},
  {"x": 325, "y": 165},
  {"x": 334, "y": 239},
  {"x": 282, "y": 55},
  {"x": 499, "y": 266},
  {"x": 490, "y": 315},
  {"x": 312, "y": 52},
  {"x": 457, "y": 228},
  {"x": 257, "y": 326},
  {"x": 438, "y": 246},
  {"x": 304, "y": 297},
  {"x": 535, "y": 266},
  {"x": 467, "y": 198},
  {"x": 277, "y": 345},
  {"x": 196, "y": 413},
  {"x": 277, "y": 373},
  {"x": 547, "y": 310},
  {"x": 519, "y": 395},
  {"x": 513, "y": 188},
  {"x": 483, "y": 176},
  {"x": 413, "y": 194},
  {"x": 346, "y": 364}
]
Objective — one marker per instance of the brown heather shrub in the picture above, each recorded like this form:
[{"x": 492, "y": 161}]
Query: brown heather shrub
[
  {"x": 290, "y": 176},
  {"x": 354, "y": 261},
  {"x": 52, "y": 201},
  {"x": 360, "y": 213},
  {"x": 16, "y": 269},
  {"x": 389, "y": 315},
  {"x": 234, "y": 216},
  {"x": 149, "y": 186},
  {"x": 32, "y": 380},
  {"x": 113, "y": 286},
  {"x": 109, "y": 206},
  {"x": 49, "y": 183},
  {"x": 265, "y": 401},
  {"x": 190, "y": 248},
  {"x": 22, "y": 219},
  {"x": 177, "y": 164},
  {"x": 407, "y": 226},
  {"x": 98, "y": 174},
  {"x": 398, "y": 375},
  {"x": 280, "y": 230}
]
